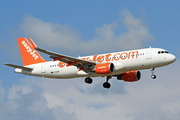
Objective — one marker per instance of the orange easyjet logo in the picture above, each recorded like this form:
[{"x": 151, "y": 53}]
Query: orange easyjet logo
[
  {"x": 29, "y": 50},
  {"x": 107, "y": 57},
  {"x": 111, "y": 57}
]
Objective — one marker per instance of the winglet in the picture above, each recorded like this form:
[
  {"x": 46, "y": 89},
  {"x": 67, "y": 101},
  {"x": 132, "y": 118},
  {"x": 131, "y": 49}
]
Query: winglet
[{"x": 32, "y": 43}]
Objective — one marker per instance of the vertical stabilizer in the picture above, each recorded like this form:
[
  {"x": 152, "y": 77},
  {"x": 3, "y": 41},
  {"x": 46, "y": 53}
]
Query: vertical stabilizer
[{"x": 28, "y": 53}]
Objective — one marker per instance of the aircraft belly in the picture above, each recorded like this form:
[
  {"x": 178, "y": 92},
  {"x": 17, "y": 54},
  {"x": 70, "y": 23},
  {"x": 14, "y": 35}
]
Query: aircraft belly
[
  {"x": 68, "y": 72},
  {"x": 132, "y": 64}
]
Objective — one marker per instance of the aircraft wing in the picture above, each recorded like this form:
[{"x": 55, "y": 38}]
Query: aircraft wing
[
  {"x": 17, "y": 66},
  {"x": 80, "y": 63},
  {"x": 64, "y": 58}
]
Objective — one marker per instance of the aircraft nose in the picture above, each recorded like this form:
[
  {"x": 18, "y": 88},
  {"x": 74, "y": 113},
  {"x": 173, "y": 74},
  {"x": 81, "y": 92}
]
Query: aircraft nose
[{"x": 172, "y": 58}]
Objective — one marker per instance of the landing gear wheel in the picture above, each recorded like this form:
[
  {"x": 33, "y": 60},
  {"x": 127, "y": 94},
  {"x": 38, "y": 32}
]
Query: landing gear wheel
[
  {"x": 106, "y": 85},
  {"x": 153, "y": 76},
  {"x": 88, "y": 80}
]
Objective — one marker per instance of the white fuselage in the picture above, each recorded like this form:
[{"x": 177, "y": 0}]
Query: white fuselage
[{"x": 123, "y": 61}]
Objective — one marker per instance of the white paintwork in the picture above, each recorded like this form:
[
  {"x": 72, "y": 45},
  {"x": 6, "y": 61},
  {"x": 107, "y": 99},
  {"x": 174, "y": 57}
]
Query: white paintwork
[{"x": 148, "y": 58}]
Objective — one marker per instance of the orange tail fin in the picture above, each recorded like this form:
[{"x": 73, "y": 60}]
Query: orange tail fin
[{"x": 28, "y": 53}]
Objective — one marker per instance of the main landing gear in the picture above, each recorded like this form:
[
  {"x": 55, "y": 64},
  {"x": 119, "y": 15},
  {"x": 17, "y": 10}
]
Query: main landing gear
[
  {"x": 153, "y": 76},
  {"x": 105, "y": 84},
  {"x": 88, "y": 79}
]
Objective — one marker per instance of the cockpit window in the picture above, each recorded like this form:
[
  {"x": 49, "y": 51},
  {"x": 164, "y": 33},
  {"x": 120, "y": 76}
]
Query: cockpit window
[{"x": 162, "y": 52}]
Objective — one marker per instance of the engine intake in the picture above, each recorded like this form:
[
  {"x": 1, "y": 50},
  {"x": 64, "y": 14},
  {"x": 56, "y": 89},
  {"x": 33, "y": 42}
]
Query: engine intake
[{"x": 105, "y": 68}]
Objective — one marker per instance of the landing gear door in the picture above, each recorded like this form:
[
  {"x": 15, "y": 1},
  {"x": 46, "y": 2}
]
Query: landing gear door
[{"x": 148, "y": 54}]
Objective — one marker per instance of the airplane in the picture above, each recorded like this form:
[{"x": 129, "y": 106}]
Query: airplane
[{"x": 122, "y": 65}]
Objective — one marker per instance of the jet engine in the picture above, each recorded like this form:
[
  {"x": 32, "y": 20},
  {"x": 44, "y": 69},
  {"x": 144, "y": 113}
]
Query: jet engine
[
  {"x": 130, "y": 76},
  {"x": 105, "y": 68}
]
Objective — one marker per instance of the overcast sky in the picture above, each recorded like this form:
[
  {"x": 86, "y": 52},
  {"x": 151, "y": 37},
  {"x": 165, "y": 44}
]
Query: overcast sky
[{"x": 85, "y": 28}]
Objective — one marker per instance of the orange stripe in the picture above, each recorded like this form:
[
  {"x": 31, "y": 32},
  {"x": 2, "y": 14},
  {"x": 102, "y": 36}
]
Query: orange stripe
[
  {"x": 82, "y": 68},
  {"x": 58, "y": 58}
]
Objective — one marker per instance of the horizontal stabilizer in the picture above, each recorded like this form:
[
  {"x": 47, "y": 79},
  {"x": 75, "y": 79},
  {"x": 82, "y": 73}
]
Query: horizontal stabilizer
[{"x": 17, "y": 66}]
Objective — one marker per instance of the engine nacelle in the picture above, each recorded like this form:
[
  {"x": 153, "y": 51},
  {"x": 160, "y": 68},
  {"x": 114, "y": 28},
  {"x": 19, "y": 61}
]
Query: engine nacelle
[
  {"x": 131, "y": 76},
  {"x": 118, "y": 66},
  {"x": 105, "y": 68}
]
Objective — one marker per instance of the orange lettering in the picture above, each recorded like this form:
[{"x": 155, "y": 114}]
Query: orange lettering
[
  {"x": 107, "y": 57},
  {"x": 100, "y": 58},
  {"x": 88, "y": 59},
  {"x": 133, "y": 53},
  {"x": 61, "y": 64},
  {"x": 121, "y": 56},
  {"x": 94, "y": 57},
  {"x": 115, "y": 56}
]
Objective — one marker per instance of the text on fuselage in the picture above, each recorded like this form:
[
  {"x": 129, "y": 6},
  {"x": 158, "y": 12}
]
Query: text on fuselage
[{"x": 107, "y": 57}]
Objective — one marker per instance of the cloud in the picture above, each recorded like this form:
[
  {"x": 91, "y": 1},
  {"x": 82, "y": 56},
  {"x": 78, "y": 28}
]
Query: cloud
[
  {"x": 137, "y": 35},
  {"x": 26, "y": 102},
  {"x": 38, "y": 98},
  {"x": 107, "y": 38}
]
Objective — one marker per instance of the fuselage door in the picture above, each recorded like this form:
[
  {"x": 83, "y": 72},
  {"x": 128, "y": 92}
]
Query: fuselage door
[
  {"x": 148, "y": 54},
  {"x": 43, "y": 68}
]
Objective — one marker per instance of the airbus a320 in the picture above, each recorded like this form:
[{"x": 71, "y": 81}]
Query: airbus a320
[{"x": 123, "y": 65}]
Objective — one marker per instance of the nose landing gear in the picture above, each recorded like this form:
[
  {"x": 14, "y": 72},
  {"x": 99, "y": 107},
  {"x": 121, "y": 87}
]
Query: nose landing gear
[{"x": 153, "y": 76}]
